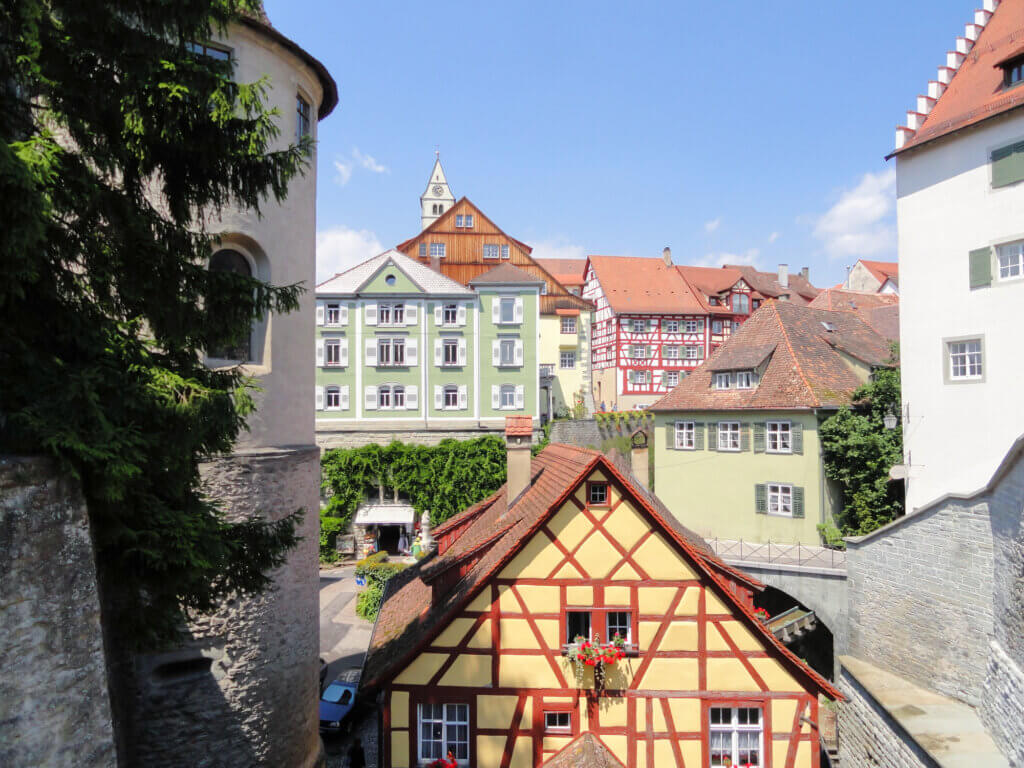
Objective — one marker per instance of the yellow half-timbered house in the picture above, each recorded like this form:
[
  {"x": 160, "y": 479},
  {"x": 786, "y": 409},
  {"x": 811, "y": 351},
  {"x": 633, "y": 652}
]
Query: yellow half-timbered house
[{"x": 474, "y": 651}]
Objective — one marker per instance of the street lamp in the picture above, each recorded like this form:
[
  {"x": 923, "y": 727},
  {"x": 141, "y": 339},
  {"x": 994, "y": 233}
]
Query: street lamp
[{"x": 889, "y": 420}]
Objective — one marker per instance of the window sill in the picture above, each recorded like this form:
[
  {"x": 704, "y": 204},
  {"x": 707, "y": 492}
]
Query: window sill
[
  {"x": 779, "y": 453},
  {"x": 632, "y": 651},
  {"x": 334, "y": 365}
]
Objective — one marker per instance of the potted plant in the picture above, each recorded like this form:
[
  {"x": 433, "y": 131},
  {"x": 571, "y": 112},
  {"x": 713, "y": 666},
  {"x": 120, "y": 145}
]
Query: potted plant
[{"x": 593, "y": 653}]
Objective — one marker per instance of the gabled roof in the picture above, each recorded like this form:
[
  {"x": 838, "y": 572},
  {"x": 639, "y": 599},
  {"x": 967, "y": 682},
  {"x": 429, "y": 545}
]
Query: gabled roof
[
  {"x": 804, "y": 369},
  {"x": 883, "y": 270},
  {"x": 585, "y": 751},
  {"x": 638, "y": 285},
  {"x": 410, "y": 617},
  {"x": 711, "y": 281},
  {"x": 507, "y": 274},
  {"x": 352, "y": 281},
  {"x": 800, "y": 290},
  {"x": 879, "y": 310},
  {"x": 566, "y": 271},
  {"x": 976, "y": 91}
]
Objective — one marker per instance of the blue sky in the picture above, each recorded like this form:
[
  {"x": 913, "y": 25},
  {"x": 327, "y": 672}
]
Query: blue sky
[{"x": 742, "y": 131}]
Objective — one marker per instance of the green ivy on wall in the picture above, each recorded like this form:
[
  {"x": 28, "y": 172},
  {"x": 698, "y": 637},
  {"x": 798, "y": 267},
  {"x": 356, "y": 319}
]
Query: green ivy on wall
[{"x": 444, "y": 478}]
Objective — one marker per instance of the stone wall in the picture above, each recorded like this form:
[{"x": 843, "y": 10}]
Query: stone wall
[
  {"x": 920, "y": 598},
  {"x": 243, "y": 690},
  {"x": 868, "y": 735},
  {"x": 54, "y": 702},
  {"x": 581, "y": 432}
]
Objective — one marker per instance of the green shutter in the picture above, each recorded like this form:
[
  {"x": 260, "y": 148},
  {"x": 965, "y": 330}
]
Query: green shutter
[
  {"x": 797, "y": 437},
  {"x": 761, "y": 499},
  {"x": 744, "y": 437},
  {"x": 759, "y": 440},
  {"x": 698, "y": 436},
  {"x": 798, "y": 501},
  {"x": 630, "y": 376},
  {"x": 1008, "y": 165},
  {"x": 670, "y": 435},
  {"x": 713, "y": 436},
  {"x": 981, "y": 267}
]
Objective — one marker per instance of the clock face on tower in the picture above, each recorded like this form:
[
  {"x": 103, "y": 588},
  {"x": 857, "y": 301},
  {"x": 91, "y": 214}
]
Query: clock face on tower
[{"x": 438, "y": 189}]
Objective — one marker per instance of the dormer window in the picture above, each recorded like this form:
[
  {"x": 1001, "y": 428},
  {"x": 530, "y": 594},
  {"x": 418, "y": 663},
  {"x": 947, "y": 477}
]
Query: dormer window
[
  {"x": 744, "y": 380},
  {"x": 721, "y": 381},
  {"x": 1013, "y": 72}
]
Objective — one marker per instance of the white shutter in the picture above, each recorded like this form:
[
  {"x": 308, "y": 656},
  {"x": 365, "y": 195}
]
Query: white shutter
[
  {"x": 321, "y": 311},
  {"x": 496, "y": 310},
  {"x": 371, "y": 399},
  {"x": 344, "y": 398},
  {"x": 319, "y": 351},
  {"x": 495, "y": 396},
  {"x": 463, "y": 397},
  {"x": 410, "y": 353},
  {"x": 412, "y": 400},
  {"x": 438, "y": 349},
  {"x": 344, "y": 314},
  {"x": 462, "y": 351},
  {"x": 438, "y": 398},
  {"x": 412, "y": 314},
  {"x": 344, "y": 351},
  {"x": 519, "y": 309},
  {"x": 461, "y": 314},
  {"x": 496, "y": 352},
  {"x": 371, "y": 314},
  {"x": 519, "y": 351},
  {"x": 438, "y": 314},
  {"x": 371, "y": 351},
  {"x": 319, "y": 398},
  {"x": 520, "y": 396}
]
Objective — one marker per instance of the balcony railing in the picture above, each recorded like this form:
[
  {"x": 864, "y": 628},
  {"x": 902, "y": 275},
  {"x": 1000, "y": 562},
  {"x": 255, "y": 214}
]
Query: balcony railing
[{"x": 801, "y": 555}]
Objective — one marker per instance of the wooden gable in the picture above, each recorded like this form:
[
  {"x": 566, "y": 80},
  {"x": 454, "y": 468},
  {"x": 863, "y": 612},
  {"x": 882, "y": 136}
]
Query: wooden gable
[
  {"x": 464, "y": 254},
  {"x": 692, "y": 645}
]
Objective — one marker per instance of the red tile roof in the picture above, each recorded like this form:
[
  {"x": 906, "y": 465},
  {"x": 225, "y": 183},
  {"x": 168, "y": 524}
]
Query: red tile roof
[
  {"x": 976, "y": 91},
  {"x": 799, "y": 291},
  {"x": 411, "y": 615},
  {"x": 879, "y": 310},
  {"x": 804, "y": 370},
  {"x": 566, "y": 271},
  {"x": 518, "y": 426},
  {"x": 711, "y": 281},
  {"x": 883, "y": 270},
  {"x": 645, "y": 286},
  {"x": 585, "y": 751}
]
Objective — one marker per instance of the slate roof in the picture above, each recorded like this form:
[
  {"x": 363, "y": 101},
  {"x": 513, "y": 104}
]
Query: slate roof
[
  {"x": 566, "y": 271},
  {"x": 645, "y": 286},
  {"x": 804, "y": 370},
  {"x": 410, "y": 618},
  {"x": 352, "y": 280},
  {"x": 585, "y": 751},
  {"x": 976, "y": 92},
  {"x": 506, "y": 273},
  {"x": 800, "y": 290}
]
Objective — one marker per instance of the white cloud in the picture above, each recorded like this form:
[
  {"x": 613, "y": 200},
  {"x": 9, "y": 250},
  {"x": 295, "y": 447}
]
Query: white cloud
[
  {"x": 368, "y": 162},
  {"x": 341, "y": 248},
  {"x": 557, "y": 248},
  {"x": 712, "y": 224},
  {"x": 861, "y": 223},
  {"x": 344, "y": 172},
  {"x": 748, "y": 257},
  {"x": 774, "y": 236}
]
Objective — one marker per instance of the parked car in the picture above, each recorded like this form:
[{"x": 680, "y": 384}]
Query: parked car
[{"x": 335, "y": 703}]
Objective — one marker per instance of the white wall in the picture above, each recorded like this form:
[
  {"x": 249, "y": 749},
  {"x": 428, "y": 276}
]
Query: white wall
[
  {"x": 957, "y": 433},
  {"x": 287, "y": 236}
]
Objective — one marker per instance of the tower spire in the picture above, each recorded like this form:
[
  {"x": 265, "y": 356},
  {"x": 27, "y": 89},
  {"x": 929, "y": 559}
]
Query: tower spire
[{"x": 437, "y": 197}]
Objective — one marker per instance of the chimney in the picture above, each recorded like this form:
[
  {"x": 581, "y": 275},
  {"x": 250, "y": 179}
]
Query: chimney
[
  {"x": 666, "y": 256},
  {"x": 784, "y": 275},
  {"x": 435, "y": 263},
  {"x": 518, "y": 437},
  {"x": 805, "y": 273},
  {"x": 638, "y": 457}
]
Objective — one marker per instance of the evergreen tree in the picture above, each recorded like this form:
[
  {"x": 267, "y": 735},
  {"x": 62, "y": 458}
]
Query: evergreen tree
[{"x": 118, "y": 145}]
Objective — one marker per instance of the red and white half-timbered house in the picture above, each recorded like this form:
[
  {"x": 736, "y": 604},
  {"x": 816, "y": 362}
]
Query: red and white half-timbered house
[
  {"x": 476, "y": 649},
  {"x": 654, "y": 322}
]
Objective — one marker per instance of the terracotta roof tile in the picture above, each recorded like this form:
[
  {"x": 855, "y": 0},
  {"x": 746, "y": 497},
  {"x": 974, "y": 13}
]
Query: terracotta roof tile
[
  {"x": 566, "y": 271},
  {"x": 879, "y": 310},
  {"x": 711, "y": 281},
  {"x": 645, "y": 286},
  {"x": 883, "y": 270},
  {"x": 585, "y": 751},
  {"x": 519, "y": 426},
  {"x": 800, "y": 290},
  {"x": 803, "y": 372}
]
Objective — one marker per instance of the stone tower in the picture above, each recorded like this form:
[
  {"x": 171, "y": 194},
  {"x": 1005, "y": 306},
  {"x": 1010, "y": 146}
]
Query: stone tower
[
  {"x": 243, "y": 691},
  {"x": 437, "y": 197}
]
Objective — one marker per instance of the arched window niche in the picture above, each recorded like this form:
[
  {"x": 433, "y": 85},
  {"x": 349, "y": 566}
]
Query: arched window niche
[{"x": 242, "y": 255}]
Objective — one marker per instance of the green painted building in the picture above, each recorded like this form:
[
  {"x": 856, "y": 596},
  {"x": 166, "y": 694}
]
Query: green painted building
[
  {"x": 738, "y": 454},
  {"x": 402, "y": 348}
]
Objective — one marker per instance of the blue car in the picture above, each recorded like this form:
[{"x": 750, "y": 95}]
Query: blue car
[{"x": 335, "y": 703}]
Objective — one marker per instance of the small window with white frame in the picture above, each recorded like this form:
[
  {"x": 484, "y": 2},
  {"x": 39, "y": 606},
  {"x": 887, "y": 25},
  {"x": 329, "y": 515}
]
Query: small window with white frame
[
  {"x": 391, "y": 314},
  {"x": 444, "y": 728},
  {"x": 779, "y": 437},
  {"x": 459, "y": 218},
  {"x": 619, "y": 623},
  {"x": 332, "y": 352},
  {"x": 491, "y": 251},
  {"x": 504, "y": 251},
  {"x": 965, "y": 359},
  {"x": 437, "y": 249},
  {"x": 507, "y": 397},
  {"x": 597, "y": 494},
  {"x": 692, "y": 326},
  {"x": 332, "y": 397},
  {"x": 670, "y": 352},
  {"x": 450, "y": 399},
  {"x": 780, "y": 499},
  {"x": 686, "y": 435},
  {"x": 721, "y": 381},
  {"x": 1011, "y": 260},
  {"x": 671, "y": 378},
  {"x": 508, "y": 309},
  {"x": 694, "y": 352},
  {"x": 390, "y": 352},
  {"x": 333, "y": 314},
  {"x": 568, "y": 325},
  {"x": 558, "y": 722},
  {"x": 450, "y": 348},
  {"x": 736, "y": 736},
  {"x": 728, "y": 435},
  {"x": 744, "y": 379},
  {"x": 469, "y": 220},
  {"x": 671, "y": 326},
  {"x": 450, "y": 314},
  {"x": 639, "y": 326},
  {"x": 567, "y": 360},
  {"x": 507, "y": 350}
]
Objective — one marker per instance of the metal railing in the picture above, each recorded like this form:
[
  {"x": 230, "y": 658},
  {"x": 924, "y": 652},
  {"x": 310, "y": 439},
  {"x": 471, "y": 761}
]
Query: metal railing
[{"x": 779, "y": 554}]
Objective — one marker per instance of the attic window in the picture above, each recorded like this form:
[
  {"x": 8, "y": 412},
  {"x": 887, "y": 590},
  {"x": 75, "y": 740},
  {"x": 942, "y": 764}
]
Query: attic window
[
  {"x": 597, "y": 494},
  {"x": 1013, "y": 72},
  {"x": 830, "y": 327},
  {"x": 390, "y": 279}
]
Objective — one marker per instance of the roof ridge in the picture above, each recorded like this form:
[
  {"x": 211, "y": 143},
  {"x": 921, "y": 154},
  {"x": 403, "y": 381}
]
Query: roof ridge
[{"x": 796, "y": 362}]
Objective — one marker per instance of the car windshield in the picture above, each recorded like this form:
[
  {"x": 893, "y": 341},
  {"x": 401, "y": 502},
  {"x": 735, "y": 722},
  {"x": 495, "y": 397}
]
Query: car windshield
[{"x": 337, "y": 694}]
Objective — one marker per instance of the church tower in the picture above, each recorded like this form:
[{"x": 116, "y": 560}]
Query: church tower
[{"x": 437, "y": 198}]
